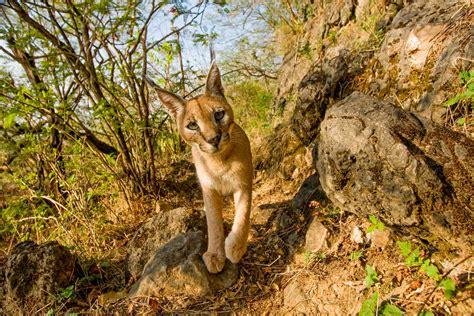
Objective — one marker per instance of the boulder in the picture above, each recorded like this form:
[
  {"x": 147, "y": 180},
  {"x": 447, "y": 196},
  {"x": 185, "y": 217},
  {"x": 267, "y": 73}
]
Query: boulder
[
  {"x": 415, "y": 174},
  {"x": 154, "y": 233},
  {"x": 33, "y": 275},
  {"x": 177, "y": 269}
]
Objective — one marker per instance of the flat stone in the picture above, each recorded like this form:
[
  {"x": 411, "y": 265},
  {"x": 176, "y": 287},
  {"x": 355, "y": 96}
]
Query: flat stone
[
  {"x": 357, "y": 235},
  {"x": 316, "y": 236},
  {"x": 379, "y": 238}
]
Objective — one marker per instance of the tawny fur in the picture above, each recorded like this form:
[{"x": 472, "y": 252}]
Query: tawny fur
[{"x": 221, "y": 154}]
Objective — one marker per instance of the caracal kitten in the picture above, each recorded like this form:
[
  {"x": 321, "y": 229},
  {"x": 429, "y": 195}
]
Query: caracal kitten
[{"x": 221, "y": 153}]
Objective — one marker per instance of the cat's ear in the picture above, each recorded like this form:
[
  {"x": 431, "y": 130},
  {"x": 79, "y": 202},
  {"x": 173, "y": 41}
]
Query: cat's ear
[
  {"x": 213, "y": 82},
  {"x": 174, "y": 103}
]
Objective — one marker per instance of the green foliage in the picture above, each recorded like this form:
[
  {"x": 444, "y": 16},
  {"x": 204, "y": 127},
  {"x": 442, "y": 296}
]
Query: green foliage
[
  {"x": 9, "y": 120},
  {"x": 430, "y": 269},
  {"x": 449, "y": 288},
  {"x": 357, "y": 254},
  {"x": 390, "y": 310},
  {"x": 462, "y": 104},
  {"x": 412, "y": 256},
  {"x": 405, "y": 247},
  {"x": 371, "y": 276},
  {"x": 426, "y": 313},
  {"x": 66, "y": 293},
  {"x": 251, "y": 101},
  {"x": 310, "y": 257},
  {"x": 24, "y": 220},
  {"x": 369, "y": 306},
  {"x": 376, "y": 224},
  {"x": 414, "y": 259},
  {"x": 305, "y": 50},
  {"x": 466, "y": 79}
]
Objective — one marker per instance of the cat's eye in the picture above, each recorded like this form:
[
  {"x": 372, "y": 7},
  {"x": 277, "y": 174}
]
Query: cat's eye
[
  {"x": 193, "y": 126},
  {"x": 219, "y": 115}
]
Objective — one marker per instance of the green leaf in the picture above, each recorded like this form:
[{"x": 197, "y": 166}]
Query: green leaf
[
  {"x": 426, "y": 313},
  {"x": 376, "y": 224},
  {"x": 465, "y": 76},
  {"x": 414, "y": 258},
  {"x": 460, "y": 121},
  {"x": 391, "y": 310},
  {"x": 356, "y": 254},
  {"x": 105, "y": 264},
  {"x": 9, "y": 120},
  {"x": 405, "y": 247},
  {"x": 371, "y": 276},
  {"x": 67, "y": 292},
  {"x": 452, "y": 101},
  {"x": 369, "y": 306},
  {"x": 430, "y": 269},
  {"x": 449, "y": 288}
]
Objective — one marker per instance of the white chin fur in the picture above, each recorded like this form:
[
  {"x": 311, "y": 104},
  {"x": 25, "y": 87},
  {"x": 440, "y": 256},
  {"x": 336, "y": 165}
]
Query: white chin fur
[{"x": 209, "y": 149}]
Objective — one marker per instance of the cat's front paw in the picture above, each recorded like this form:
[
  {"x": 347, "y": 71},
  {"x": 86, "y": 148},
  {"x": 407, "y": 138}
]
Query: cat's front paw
[
  {"x": 235, "y": 247},
  {"x": 214, "y": 262}
]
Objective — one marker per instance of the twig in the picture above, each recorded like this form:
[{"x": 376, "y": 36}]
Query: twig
[
  {"x": 442, "y": 278},
  {"x": 262, "y": 264}
]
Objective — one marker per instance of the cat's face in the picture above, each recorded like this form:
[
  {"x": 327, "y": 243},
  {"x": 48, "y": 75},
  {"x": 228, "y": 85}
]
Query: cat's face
[{"x": 206, "y": 120}]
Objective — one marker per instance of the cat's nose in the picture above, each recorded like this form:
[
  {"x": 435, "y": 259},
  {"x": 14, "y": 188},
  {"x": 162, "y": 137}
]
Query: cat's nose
[{"x": 214, "y": 141}]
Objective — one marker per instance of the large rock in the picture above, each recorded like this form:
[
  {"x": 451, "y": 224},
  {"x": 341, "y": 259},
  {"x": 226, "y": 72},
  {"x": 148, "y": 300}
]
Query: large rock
[
  {"x": 155, "y": 233},
  {"x": 33, "y": 274},
  {"x": 177, "y": 269},
  {"x": 376, "y": 158},
  {"x": 426, "y": 46}
]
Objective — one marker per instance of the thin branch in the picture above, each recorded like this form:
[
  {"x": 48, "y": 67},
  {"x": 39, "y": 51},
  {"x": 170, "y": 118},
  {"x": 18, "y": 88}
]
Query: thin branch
[{"x": 179, "y": 29}]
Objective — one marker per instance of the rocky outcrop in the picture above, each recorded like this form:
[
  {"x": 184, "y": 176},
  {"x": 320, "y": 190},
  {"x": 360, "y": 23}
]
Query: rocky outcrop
[
  {"x": 316, "y": 91},
  {"x": 156, "y": 232},
  {"x": 319, "y": 68},
  {"x": 375, "y": 158},
  {"x": 426, "y": 46},
  {"x": 32, "y": 276},
  {"x": 177, "y": 269}
]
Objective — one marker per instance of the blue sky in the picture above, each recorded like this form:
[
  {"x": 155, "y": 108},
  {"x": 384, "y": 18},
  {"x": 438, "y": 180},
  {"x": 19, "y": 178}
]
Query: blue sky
[{"x": 229, "y": 27}]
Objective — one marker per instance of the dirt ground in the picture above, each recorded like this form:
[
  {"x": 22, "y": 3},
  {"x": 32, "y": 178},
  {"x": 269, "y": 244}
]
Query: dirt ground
[{"x": 278, "y": 276}]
